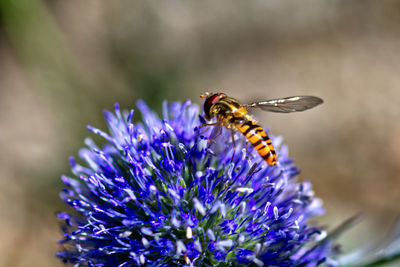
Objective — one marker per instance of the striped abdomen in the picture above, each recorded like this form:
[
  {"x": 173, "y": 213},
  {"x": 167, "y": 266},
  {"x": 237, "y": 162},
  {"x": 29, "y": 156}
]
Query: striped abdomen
[{"x": 259, "y": 139}]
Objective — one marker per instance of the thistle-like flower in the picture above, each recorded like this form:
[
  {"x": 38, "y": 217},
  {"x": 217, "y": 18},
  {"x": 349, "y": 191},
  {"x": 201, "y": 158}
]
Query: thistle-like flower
[{"x": 158, "y": 194}]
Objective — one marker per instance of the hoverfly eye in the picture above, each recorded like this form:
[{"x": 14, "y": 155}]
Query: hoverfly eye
[{"x": 209, "y": 102}]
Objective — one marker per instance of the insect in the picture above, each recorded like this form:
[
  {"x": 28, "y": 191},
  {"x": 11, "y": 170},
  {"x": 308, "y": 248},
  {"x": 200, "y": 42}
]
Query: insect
[{"x": 230, "y": 113}]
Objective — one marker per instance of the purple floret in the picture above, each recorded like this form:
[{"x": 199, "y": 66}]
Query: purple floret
[{"x": 158, "y": 193}]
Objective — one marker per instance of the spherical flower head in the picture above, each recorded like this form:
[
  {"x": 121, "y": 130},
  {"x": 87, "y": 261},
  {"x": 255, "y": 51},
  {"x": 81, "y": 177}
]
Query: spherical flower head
[{"x": 161, "y": 193}]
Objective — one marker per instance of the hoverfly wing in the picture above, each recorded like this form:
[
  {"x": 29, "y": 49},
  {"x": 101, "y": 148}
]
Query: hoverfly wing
[
  {"x": 287, "y": 104},
  {"x": 213, "y": 139},
  {"x": 216, "y": 131}
]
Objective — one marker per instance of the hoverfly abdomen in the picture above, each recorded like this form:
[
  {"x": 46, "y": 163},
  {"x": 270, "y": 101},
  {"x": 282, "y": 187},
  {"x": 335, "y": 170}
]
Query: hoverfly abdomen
[{"x": 259, "y": 139}]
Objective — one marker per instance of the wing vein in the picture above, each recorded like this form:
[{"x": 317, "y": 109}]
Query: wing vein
[{"x": 287, "y": 104}]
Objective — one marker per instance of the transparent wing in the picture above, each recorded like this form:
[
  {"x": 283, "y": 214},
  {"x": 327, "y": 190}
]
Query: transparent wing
[
  {"x": 216, "y": 131},
  {"x": 215, "y": 139},
  {"x": 287, "y": 104}
]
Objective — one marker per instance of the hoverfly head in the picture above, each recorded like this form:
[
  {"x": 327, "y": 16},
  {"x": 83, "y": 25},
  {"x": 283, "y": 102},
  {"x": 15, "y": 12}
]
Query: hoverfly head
[{"x": 211, "y": 99}]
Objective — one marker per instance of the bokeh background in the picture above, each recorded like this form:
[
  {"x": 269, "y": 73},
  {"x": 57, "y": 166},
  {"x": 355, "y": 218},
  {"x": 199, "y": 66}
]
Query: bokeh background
[{"x": 63, "y": 62}]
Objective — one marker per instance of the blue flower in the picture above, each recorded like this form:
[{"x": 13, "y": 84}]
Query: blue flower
[{"x": 158, "y": 194}]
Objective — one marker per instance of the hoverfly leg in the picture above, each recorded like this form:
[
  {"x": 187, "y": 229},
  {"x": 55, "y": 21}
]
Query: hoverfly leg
[
  {"x": 234, "y": 145},
  {"x": 205, "y": 130},
  {"x": 208, "y": 125},
  {"x": 217, "y": 131},
  {"x": 247, "y": 152}
]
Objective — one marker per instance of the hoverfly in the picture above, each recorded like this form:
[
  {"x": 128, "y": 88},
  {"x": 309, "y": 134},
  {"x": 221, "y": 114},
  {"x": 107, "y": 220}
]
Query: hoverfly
[{"x": 230, "y": 113}]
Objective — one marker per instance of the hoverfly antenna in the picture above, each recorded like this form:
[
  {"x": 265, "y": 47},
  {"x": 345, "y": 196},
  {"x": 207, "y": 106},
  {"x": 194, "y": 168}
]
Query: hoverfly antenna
[{"x": 205, "y": 95}]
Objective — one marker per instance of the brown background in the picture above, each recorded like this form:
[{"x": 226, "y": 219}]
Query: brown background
[{"x": 63, "y": 62}]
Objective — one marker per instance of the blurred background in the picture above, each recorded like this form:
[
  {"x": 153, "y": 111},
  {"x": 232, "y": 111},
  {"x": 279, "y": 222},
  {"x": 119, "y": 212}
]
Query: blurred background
[{"x": 63, "y": 62}]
